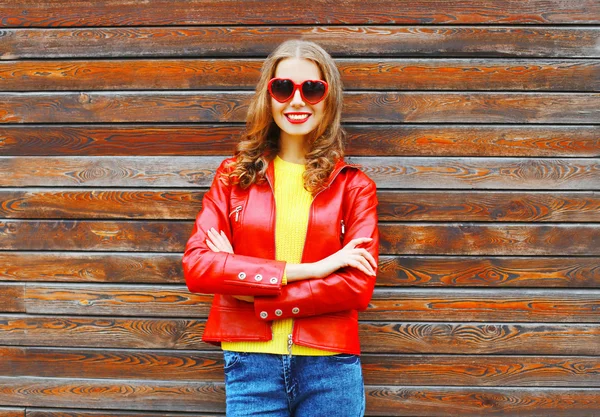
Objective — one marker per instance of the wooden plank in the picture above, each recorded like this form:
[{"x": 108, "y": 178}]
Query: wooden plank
[
  {"x": 258, "y": 41},
  {"x": 495, "y": 239},
  {"x": 113, "y": 394},
  {"x": 413, "y": 205},
  {"x": 162, "y": 268},
  {"x": 100, "y": 204},
  {"x": 476, "y": 305},
  {"x": 363, "y": 140},
  {"x": 376, "y": 337},
  {"x": 12, "y": 412},
  {"x": 107, "y": 332},
  {"x": 399, "y": 271},
  {"x": 357, "y": 74},
  {"x": 189, "y": 396},
  {"x": 205, "y": 12},
  {"x": 402, "y": 238},
  {"x": 359, "y": 107},
  {"x": 119, "y": 300},
  {"x": 388, "y": 172},
  {"x": 46, "y": 412},
  {"x": 522, "y": 271},
  {"x": 520, "y": 305},
  {"x": 450, "y": 370},
  {"x": 150, "y": 236},
  {"x": 500, "y": 206},
  {"x": 11, "y": 297},
  {"x": 478, "y": 401}
]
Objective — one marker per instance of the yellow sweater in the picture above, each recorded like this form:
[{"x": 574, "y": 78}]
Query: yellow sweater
[{"x": 293, "y": 204}]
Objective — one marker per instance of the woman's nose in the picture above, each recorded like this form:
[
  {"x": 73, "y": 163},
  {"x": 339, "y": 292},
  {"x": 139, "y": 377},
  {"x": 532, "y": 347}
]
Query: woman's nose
[{"x": 297, "y": 99}]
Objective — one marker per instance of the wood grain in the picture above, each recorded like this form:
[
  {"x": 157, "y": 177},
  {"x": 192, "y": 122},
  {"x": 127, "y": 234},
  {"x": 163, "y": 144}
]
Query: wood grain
[
  {"x": 370, "y": 41},
  {"x": 45, "y": 412},
  {"x": 413, "y": 205},
  {"x": 205, "y": 12},
  {"x": 59, "y": 235},
  {"x": 177, "y": 396},
  {"x": 162, "y": 268},
  {"x": 359, "y": 107},
  {"x": 472, "y": 271},
  {"x": 113, "y": 394},
  {"x": 363, "y": 140},
  {"x": 450, "y": 370},
  {"x": 107, "y": 332},
  {"x": 388, "y": 172},
  {"x": 515, "y": 305},
  {"x": 477, "y": 401},
  {"x": 406, "y": 239},
  {"x": 496, "y": 239},
  {"x": 100, "y": 204},
  {"x": 376, "y": 337},
  {"x": 357, "y": 74},
  {"x": 394, "y": 271},
  {"x": 12, "y": 412}
]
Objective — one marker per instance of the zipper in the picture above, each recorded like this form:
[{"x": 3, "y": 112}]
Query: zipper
[
  {"x": 343, "y": 230},
  {"x": 290, "y": 342},
  {"x": 237, "y": 212}
]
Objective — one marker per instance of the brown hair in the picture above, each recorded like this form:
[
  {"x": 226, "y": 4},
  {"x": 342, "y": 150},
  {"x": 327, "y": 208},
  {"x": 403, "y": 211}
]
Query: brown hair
[{"x": 260, "y": 141}]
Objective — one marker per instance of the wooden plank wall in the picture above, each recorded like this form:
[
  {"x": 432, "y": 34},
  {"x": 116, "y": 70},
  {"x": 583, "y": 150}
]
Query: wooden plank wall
[{"x": 479, "y": 121}]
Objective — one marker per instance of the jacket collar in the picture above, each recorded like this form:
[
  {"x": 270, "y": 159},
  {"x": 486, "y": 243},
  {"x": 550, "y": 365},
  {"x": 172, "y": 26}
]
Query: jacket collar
[{"x": 338, "y": 167}]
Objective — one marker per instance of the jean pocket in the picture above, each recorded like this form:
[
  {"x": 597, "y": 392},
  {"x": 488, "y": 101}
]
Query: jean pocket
[
  {"x": 348, "y": 358},
  {"x": 231, "y": 359}
]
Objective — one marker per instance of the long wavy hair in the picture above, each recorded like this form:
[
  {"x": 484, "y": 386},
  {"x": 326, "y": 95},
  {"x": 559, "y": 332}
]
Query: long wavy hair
[{"x": 260, "y": 141}]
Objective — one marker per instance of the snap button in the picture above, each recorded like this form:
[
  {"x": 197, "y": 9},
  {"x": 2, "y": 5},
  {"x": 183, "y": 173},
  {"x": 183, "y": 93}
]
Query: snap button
[
  {"x": 258, "y": 277},
  {"x": 278, "y": 312},
  {"x": 242, "y": 275},
  {"x": 263, "y": 314},
  {"x": 295, "y": 310},
  {"x": 273, "y": 280}
]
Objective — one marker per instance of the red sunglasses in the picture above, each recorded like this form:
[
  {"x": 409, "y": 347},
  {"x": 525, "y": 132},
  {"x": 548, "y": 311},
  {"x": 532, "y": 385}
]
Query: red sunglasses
[{"x": 311, "y": 91}]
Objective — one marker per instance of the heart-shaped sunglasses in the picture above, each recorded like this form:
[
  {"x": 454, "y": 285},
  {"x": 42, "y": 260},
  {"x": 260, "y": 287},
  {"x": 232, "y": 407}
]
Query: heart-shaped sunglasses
[{"x": 311, "y": 91}]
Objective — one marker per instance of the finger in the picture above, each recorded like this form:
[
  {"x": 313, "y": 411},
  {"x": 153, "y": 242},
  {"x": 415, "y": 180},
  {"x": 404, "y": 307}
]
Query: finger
[
  {"x": 227, "y": 241},
  {"x": 218, "y": 239},
  {"x": 357, "y": 241},
  {"x": 215, "y": 240},
  {"x": 366, "y": 264},
  {"x": 369, "y": 257},
  {"x": 356, "y": 264},
  {"x": 211, "y": 246}
]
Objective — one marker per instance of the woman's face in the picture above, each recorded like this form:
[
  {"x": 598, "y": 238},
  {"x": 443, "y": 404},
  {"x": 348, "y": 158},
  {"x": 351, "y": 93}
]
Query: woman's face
[{"x": 296, "y": 117}]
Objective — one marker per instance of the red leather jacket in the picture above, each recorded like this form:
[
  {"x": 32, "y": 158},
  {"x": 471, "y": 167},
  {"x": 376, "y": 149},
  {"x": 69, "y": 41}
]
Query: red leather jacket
[{"x": 324, "y": 310}]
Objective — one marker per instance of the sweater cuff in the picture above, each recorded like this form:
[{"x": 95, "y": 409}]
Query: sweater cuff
[{"x": 284, "y": 277}]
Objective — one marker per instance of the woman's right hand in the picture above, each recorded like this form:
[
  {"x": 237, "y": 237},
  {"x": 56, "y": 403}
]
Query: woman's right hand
[{"x": 349, "y": 255}]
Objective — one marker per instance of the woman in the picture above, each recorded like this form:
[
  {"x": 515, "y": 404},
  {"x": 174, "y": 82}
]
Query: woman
[{"x": 287, "y": 241}]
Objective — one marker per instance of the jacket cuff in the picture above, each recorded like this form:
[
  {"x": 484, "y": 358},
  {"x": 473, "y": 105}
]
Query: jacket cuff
[
  {"x": 292, "y": 302},
  {"x": 254, "y": 276}
]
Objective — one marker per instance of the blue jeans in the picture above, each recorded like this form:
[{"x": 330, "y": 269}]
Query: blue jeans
[{"x": 267, "y": 385}]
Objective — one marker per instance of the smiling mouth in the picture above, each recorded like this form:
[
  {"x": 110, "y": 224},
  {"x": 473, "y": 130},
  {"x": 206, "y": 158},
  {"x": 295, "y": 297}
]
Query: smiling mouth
[{"x": 297, "y": 118}]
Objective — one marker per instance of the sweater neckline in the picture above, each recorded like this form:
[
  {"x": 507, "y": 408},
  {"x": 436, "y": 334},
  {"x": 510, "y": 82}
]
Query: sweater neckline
[{"x": 281, "y": 164}]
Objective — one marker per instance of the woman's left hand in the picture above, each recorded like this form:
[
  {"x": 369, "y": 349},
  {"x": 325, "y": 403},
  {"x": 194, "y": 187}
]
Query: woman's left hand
[{"x": 218, "y": 242}]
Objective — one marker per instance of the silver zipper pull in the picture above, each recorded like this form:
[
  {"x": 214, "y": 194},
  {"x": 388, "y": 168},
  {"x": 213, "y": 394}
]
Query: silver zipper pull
[
  {"x": 237, "y": 212},
  {"x": 343, "y": 228},
  {"x": 290, "y": 343}
]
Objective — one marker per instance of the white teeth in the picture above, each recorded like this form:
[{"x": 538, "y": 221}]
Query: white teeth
[{"x": 297, "y": 116}]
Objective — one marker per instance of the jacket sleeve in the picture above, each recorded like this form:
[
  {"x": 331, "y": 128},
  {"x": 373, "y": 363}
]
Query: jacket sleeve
[
  {"x": 345, "y": 289},
  {"x": 211, "y": 272}
]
